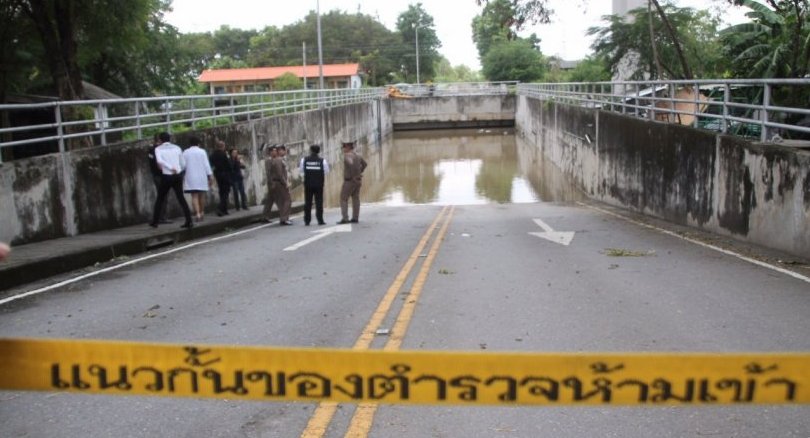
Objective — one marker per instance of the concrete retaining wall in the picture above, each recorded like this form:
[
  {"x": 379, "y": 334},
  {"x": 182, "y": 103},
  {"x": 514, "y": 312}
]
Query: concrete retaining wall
[
  {"x": 756, "y": 193},
  {"x": 109, "y": 187},
  {"x": 453, "y": 112}
]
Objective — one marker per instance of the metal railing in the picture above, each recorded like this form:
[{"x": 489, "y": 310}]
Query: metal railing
[
  {"x": 100, "y": 122},
  {"x": 451, "y": 89},
  {"x": 751, "y": 108}
]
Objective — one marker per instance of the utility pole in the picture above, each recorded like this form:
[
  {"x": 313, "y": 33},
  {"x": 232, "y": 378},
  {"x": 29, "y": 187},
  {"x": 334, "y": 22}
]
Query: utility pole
[
  {"x": 320, "y": 46},
  {"x": 304, "y": 50},
  {"x": 416, "y": 28}
]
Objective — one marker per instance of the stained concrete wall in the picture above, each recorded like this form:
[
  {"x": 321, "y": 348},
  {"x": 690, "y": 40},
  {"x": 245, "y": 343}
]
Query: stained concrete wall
[
  {"x": 727, "y": 185},
  {"x": 109, "y": 187},
  {"x": 453, "y": 112}
]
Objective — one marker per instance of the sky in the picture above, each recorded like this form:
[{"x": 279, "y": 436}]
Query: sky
[{"x": 564, "y": 37}]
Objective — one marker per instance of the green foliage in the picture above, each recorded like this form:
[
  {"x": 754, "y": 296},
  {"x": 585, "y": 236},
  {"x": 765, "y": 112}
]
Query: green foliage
[
  {"x": 774, "y": 44},
  {"x": 513, "y": 61},
  {"x": 590, "y": 69},
  {"x": 233, "y": 43},
  {"x": 696, "y": 29},
  {"x": 492, "y": 25},
  {"x": 445, "y": 72},
  {"x": 286, "y": 82},
  {"x": 123, "y": 46},
  {"x": 522, "y": 12},
  {"x": 346, "y": 38},
  {"x": 416, "y": 19}
]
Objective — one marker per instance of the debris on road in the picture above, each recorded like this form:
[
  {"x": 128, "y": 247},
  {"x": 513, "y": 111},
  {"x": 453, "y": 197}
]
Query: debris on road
[{"x": 621, "y": 252}]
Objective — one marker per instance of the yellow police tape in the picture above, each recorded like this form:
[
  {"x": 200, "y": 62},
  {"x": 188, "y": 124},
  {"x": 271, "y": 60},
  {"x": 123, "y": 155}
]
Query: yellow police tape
[{"x": 413, "y": 377}]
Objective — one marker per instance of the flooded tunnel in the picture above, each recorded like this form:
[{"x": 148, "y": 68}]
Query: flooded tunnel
[{"x": 455, "y": 167}]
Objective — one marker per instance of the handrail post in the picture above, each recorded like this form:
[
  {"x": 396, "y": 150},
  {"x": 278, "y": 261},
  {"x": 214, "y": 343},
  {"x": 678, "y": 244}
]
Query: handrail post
[
  {"x": 138, "y": 129},
  {"x": 697, "y": 106},
  {"x": 766, "y": 102},
  {"x": 60, "y": 130},
  {"x": 168, "y": 116},
  {"x": 193, "y": 115},
  {"x": 726, "y": 99},
  {"x": 101, "y": 122}
]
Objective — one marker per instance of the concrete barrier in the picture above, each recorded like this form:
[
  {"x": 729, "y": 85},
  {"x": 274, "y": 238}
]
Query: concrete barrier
[
  {"x": 758, "y": 193},
  {"x": 101, "y": 188},
  {"x": 453, "y": 112}
]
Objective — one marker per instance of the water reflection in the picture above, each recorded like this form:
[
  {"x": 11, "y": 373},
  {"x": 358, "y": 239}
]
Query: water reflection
[{"x": 459, "y": 167}]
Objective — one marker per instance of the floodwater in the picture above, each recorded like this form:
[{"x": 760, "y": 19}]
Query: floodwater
[{"x": 458, "y": 167}]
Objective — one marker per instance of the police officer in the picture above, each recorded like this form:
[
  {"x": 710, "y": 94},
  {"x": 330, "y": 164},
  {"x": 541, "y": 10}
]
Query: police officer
[
  {"x": 353, "y": 167},
  {"x": 280, "y": 185},
  {"x": 314, "y": 169},
  {"x": 271, "y": 152}
]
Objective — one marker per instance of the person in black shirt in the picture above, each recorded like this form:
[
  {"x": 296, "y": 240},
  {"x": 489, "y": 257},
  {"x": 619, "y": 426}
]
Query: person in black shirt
[
  {"x": 221, "y": 165},
  {"x": 238, "y": 180},
  {"x": 314, "y": 169}
]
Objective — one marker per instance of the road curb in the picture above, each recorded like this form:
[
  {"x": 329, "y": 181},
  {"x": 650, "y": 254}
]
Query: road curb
[{"x": 16, "y": 275}]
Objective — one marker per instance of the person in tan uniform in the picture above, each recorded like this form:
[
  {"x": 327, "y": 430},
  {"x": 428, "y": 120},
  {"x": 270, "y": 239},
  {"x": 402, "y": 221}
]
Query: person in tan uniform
[
  {"x": 271, "y": 152},
  {"x": 353, "y": 167},
  {"x": 281, "y": 187}
]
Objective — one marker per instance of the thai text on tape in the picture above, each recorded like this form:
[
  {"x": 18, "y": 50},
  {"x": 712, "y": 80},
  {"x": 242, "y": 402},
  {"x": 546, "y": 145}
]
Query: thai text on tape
[{"x": 493, "y": 378}]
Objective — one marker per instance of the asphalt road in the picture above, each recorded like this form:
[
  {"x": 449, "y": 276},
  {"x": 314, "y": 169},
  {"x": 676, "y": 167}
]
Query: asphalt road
[{"x": 492, "y": 286}]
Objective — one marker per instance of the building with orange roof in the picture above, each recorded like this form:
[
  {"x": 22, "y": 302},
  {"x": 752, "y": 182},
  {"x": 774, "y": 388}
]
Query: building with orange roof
[{"x": 245, "y": 80}]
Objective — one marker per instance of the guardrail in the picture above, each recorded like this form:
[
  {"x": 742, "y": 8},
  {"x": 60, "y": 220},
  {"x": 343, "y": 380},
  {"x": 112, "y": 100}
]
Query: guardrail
[
  {"x": 97, "y": 121},
  {"x": 751, "y": 108},
  {"x": 457, "y": 89}
]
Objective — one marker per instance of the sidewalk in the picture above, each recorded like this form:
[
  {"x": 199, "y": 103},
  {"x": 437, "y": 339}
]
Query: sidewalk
[{"x": 36, "y": 261}]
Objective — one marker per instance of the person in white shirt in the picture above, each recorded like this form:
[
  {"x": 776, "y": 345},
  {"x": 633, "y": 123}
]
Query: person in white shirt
[
  {"x": 198, "y": 177},
  {"x": 170, "y": 160}
]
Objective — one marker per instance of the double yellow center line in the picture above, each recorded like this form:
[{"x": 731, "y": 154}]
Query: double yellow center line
[{"x": 364, "y": 415}]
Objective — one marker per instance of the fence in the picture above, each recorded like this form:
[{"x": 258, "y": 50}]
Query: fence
[
  {"x": 458, "y": 89},
  {"x": 754, "y": 108},
  {"x": 99, "y": 122}
]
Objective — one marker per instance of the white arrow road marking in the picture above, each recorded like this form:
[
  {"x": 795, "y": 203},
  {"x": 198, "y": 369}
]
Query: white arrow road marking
[
  {"x": 320, "y": 234},
  {"x": 561, "y": 237}
]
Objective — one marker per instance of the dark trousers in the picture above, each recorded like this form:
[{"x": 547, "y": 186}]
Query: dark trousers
[
  {"x": 224, "y": 184},
  {"x": 175, "y": 183},
  {"x": 309, "y": 194},
  {"x": 238, "y": 185},
  {"x": 157, "y": 180}
]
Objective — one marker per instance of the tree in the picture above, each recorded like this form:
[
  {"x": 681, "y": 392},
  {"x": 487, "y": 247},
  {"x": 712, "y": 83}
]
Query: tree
[
  {"x": 590, "y": 69},
  {"x": 287, "y": 82},
  {"x": 492, "y": 25},
  {"x": 697, "y": 31},
  {"x": 347, "y": 38},
  {"x": 513, "y": 61},
  {"x": 774, "y": 44},
  {"x": 445, "y": 72},
  {"x": 523, "y": 12},
  {"x": 123, "y": 46},
  {"x": 233, "y": 43},
  {"x": 19, "y": 59},
  {"x": 56, "y": 24},
  {"x": 416, "y": 19}
]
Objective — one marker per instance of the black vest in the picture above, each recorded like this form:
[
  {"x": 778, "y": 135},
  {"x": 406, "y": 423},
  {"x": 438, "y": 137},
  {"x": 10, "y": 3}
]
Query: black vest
[{"x": 313, "y": 171}]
